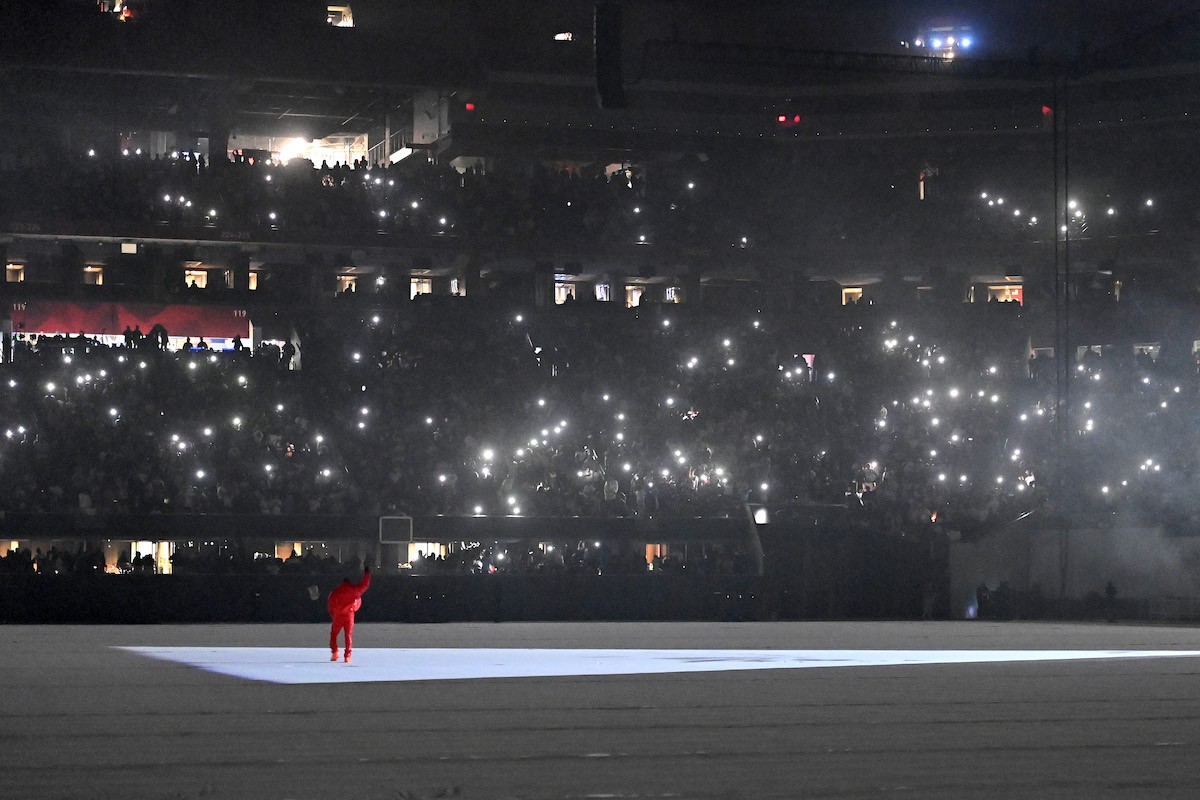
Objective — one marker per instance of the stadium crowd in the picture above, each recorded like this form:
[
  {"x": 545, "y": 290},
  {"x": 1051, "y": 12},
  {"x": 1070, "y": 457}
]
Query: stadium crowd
[
  {"x": 569, "y": 412},
  {"x": 714, "y": 201}
]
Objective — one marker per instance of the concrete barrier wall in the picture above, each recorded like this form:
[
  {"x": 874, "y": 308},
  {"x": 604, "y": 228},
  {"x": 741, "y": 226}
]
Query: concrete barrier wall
[
  {"x": 139, "y": 599},
  {"x": 221, "y": 598}
]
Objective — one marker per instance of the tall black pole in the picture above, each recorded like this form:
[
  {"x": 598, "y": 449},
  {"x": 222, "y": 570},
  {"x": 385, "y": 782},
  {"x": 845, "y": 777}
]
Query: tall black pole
[{"x": 1063, "y": 349}]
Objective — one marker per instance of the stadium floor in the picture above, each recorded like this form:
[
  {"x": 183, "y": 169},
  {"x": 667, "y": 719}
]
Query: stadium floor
[{"x": 83, "y": 717}]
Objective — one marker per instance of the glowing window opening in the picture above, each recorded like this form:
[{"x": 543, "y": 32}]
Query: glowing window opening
[
  {"x": 1006, "y": 293},
  {"x": 197, "y": 278},
  {"x": 339, "y": 16},
  {"x": 563, "y": 291},
  {"x": 418, "y": 286}
]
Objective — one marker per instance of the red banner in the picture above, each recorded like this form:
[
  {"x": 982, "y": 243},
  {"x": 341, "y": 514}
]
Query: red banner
[{"x": 51, "y": 317}]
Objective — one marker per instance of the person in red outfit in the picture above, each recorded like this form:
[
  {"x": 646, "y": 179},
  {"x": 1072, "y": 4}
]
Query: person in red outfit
[{"x": 343, "y": 602}]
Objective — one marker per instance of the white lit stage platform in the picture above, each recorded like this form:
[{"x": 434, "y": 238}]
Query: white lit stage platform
[
  {"x": 763, "y": 710},
  {"x": 311, "y": 665}
]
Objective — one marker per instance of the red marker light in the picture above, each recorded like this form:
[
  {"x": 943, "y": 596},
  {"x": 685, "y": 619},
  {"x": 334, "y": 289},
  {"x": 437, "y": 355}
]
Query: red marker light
[
  {"x": 782, "y": 118},
  {"x": 1047, "y": 111},
  {"x": 469, "y": 106},
  {"x": 796, "y": 119}
]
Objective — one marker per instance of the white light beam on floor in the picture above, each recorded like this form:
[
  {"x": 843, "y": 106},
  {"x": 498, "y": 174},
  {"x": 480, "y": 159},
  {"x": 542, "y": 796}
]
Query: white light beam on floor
[{"x": 298, "y": 665}]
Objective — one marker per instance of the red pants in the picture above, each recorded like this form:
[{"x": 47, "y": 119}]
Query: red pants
[{"x": 340, "y": 622}]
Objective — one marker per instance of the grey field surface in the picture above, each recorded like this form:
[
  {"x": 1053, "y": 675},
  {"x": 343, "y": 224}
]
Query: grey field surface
[{"x": 83, "y": 719}]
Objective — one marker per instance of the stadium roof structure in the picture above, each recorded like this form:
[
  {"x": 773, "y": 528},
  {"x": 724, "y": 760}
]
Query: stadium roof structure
[{"x": 276, "y": 68}]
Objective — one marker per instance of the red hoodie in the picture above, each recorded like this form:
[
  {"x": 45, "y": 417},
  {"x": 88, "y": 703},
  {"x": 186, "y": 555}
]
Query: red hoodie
[{"x": 347, "y": 597}]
